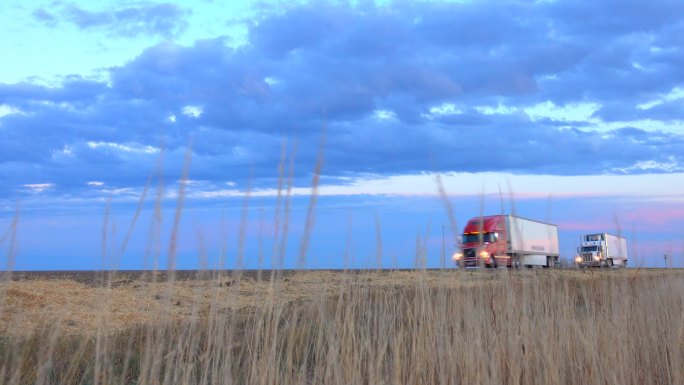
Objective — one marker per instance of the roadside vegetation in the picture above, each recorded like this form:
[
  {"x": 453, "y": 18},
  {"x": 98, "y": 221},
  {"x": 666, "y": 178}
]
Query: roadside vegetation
[{"x": 418, "y": 327}]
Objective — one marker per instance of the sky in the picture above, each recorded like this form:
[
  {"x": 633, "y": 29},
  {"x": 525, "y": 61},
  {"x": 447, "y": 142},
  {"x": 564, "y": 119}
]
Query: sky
[{"x": 332, "y": 134}]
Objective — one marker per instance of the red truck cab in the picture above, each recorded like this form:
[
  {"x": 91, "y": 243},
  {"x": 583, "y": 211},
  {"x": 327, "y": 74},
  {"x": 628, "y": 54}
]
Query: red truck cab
[{"x": 484, "y": 243}]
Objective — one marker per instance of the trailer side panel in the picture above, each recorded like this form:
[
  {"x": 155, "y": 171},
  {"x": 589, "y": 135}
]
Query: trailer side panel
[{"x": 532, "y": 237}]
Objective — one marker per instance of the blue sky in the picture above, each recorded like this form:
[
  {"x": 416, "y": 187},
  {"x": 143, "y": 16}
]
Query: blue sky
[{"x": 565, "y": 111}]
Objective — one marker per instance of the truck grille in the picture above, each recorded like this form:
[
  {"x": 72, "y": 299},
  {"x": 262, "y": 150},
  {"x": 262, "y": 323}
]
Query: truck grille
[
  {"x": 470, "y": 257},
  {"x": 469, "y": 254},
  {"x": 587, "y": 257}
]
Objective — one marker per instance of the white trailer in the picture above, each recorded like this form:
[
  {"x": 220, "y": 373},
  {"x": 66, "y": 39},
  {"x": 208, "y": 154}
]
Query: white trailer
[
  {"x": 532, "y": 243},
  {"x": 602, "y": 250}
]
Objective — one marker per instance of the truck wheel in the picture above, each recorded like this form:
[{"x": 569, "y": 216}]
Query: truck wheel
[{"x": 609, "y": 263}]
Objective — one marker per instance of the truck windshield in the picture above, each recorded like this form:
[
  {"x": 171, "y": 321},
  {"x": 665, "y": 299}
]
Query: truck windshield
[
  {"x": 590, "y": 248},
  {"x": 486, "y": 238}
]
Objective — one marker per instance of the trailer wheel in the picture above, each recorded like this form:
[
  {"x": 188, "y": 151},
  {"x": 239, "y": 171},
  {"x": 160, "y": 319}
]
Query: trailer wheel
[{"x": 550, "y": 262}]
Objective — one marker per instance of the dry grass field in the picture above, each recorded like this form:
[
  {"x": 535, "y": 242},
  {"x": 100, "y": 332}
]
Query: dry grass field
[{"x": 403, "y": 327}]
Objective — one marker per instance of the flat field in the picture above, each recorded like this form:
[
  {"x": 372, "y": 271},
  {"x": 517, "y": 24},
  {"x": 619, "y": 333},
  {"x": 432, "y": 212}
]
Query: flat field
[{"x": 362, "y": 327}]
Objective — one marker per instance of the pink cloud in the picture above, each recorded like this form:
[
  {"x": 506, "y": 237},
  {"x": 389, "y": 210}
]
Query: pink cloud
[
  {"x": 559, "y": 195},
  {"x": 586, "y": 226},
  {"x": 655, "y": 215}
]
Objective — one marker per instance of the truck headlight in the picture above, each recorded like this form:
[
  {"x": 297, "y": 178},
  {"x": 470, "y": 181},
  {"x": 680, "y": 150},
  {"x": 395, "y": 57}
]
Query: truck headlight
[
  {"x": 596, "y": 258},
  {"x": 457, "y": 256},
  {"x": 578, "y": 259},
  {"x": 484, "y": 255}
]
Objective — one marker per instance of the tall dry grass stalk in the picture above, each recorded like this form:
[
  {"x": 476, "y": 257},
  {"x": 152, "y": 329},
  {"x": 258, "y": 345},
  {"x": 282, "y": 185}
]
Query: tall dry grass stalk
[
  {"x": 444, "y": 197},
  {"x": 10, "y": 236},
  {"x": 378, "y": 242},
  {"x": 311, "y": 211},
  {"x": 180, "y": 201},
  {"x": 282, "y": 247}
]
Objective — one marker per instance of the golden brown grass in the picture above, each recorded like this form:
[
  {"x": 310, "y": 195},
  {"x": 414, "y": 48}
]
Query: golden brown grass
[{"x": 417, "y": 327}]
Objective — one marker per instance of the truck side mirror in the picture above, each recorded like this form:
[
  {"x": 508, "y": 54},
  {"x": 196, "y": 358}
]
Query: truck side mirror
[{"x": 459, "y": 239}]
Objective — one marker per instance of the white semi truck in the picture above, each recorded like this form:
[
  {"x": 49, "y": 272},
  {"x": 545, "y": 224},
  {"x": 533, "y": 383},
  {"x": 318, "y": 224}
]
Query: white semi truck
[{"x": 602, "y": 250}]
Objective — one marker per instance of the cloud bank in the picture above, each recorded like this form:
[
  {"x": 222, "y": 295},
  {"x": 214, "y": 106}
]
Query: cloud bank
[{"x": 553, "y": 88}]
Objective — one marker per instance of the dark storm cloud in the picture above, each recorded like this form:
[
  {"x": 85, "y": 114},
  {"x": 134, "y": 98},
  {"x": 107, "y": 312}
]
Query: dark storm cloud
[
  {"x": 394, "y": 89},
  {"x": 146, "y": 19}
]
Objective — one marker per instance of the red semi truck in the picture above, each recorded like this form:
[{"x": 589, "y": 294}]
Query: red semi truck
[{"x": 507, "y": 241}]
